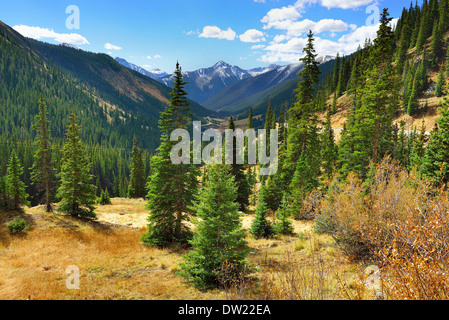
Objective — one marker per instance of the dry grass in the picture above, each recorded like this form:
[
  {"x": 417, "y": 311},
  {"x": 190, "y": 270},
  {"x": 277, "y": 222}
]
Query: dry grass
[{"x": 114, "y": 264}]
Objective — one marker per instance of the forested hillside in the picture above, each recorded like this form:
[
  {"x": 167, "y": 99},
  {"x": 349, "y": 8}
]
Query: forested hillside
[{"x": 113, "y": 104}]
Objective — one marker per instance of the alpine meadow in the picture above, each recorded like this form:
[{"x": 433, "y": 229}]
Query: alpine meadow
[{"x": 312, "y": 166}]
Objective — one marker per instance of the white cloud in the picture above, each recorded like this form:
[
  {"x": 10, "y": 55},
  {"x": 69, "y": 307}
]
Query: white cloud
[
  {"x": 157, "y": 56},
  {"x": 216, "y": 32},
  {"x": 109, "y": 46},
  {"x": 45, "y": 33},
  {"x": 259, "y": 1},
  {"x": 257, "y": 47},
  {"x": 274, "y": 16},
  {"x": 344, "y": 4},
  {"x": 252, "y": 35}
]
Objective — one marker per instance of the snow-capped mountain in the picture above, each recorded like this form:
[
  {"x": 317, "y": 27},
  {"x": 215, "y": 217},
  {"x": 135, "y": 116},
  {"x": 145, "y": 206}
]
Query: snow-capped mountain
[
  {"x": 155, "y": 74},
  {"x": 258, "y": 71},
  {"x": 205, "y": 85}
]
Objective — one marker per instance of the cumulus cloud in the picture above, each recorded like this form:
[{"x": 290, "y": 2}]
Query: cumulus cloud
[
  {"x": 38, "y": 33},
  {"x": 277, "y": 15},
  {"x": 109, "y": 46},
  {"x": 252, "y": 35},
  {"x": 257, "y": 47},
  {"x": 216, "y": 32},
  {"x": 285, "y": 49},
  {"x": 344, "y": 4}
]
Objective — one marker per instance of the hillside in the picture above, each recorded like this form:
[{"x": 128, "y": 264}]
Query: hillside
[
  {"x": 274, "y": 84},
  {"x": 113, "y": 102}
]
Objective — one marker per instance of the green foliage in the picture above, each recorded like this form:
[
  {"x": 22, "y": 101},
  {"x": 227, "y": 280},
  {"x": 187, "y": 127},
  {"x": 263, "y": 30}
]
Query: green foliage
[
  {"x": 43, "y": 168},
  {"x": 435, "y": 163},
  {"x": 172, "y": 187},
  {"x": 218, "y": 246},
  {"x": 283, "y": 223},
  {"x": 137, "y": 178},
  {"x": 76, "y": 191},
  {"x": 104, "y": 199},
  {"x": 15, "y": 187},
  {"x": 440, "y": 82},
  {"x": 261, "y": 227},
  {"x": 17, "y": 226}
]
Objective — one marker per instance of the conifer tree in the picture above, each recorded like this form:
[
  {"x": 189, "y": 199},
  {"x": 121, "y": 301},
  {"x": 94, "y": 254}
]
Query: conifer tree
[
  {"x": 418, "y": 150},
  {"x": 238, "y": 171},
  {"x": 15, "y": 187},
  {"x": 218, "y": 246},
  {"x": 440, "y": 83},
  {"x": 368, "y": 135},
  {"x": 42, "y": 170},
  {"x": 435, "y": 163},
  {"x": 261, "y": 227},
  {"x": 137, "y": 179},
  {"x": 171, "y": 187},
  {"x": 302, "y": 117},
  {"x": 76, "y": 191},
  {"x": 329, "y": 151},
  {"x": 283, "y": 223}
]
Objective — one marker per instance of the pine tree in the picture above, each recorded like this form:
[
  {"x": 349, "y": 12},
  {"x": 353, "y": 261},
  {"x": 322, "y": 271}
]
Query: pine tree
[
  {"x": 435, "y": 163},
  {"x": 42, "y": 170},
  {"x": 261, "y": 227},
  {"x": 436, "y": 44},
  {"x": 172, "y": 187},
  {"x": 238, "y": 171},
  {"x": 329, "y": 150},
  {"x": 283, "y": 224},
  {"x": 104, "y": 198},
  {"x": 418, "y": 150},
  {"x": 15, "y": 187},
  {"x": 218, "y": 247},
  {"x": 440, "y": 83},
  {"x": 137, "y": 179},
  {"x": 368, "y": 134},
  {"x": 76, "y": 191},
  {"x": 303, "y": 120}
]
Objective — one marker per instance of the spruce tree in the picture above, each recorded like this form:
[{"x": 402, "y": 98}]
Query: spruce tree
[
  {"x": 329, "y": 150},
  {"x": 261, "y": 227},
  {"x": 137, "y": 179},
  {"x": 171, "y": 187},
  {"x": 15, "y": 187},
  {"x": 440, "y": 83},
  {"x": 283, "y": 223},
  {"x": 218, "y": 246},
  {"x": 238, "y": 171},
  {"x": 303, "y": 121},
  {"x": 435, "y": 163},
  {"x": 42, "y": 170},
  {"x": 76, "y": 191},
  {"x": 368, "y": 135}
]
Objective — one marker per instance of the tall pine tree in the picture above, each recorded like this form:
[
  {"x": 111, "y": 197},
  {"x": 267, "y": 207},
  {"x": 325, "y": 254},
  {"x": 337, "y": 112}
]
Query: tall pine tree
[{"x": 76, "y": 191}]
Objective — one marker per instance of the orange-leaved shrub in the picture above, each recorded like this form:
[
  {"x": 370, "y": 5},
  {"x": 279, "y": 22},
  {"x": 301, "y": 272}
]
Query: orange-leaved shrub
[{"x": 397, "y": 219}]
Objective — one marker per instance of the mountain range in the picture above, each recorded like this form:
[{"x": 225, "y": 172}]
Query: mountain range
[
  {"x": 113, "y": 103},
  {"x": 227, "y": 88}
]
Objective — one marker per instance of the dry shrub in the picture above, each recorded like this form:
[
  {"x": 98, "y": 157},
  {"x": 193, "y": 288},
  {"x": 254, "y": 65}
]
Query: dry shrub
[{"x": 400, "y": 221}]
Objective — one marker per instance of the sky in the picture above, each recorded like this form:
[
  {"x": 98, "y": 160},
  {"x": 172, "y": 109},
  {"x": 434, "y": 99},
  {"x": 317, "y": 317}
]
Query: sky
[{"x": 199, "y": 33}]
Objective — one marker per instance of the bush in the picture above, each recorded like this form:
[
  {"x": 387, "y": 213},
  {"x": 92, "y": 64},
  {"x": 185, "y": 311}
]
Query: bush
[
  {"x": 17, "y": 226},
  {"x": 399, "y": 221},
  {"x": 104, "y": 198}
]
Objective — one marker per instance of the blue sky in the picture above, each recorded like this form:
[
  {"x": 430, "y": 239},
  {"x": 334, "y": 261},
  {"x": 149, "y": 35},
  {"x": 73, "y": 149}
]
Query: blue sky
[{"x": 198, "y": 33}]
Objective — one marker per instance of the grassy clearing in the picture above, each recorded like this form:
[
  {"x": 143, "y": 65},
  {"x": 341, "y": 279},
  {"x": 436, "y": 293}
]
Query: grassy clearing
[{"x": 114, "y": 264}]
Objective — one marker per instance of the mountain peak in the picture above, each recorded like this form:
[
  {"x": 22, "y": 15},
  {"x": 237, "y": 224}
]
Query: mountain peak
[{"x": 221, "y": 63}]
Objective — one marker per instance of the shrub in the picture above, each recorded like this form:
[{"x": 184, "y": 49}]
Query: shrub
[{"x": 17, "y": 226}]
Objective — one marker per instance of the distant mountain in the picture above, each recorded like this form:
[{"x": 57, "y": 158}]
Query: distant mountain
[
  {"x": 113, "y": 103},
  {"x": 280, "y": 94},
  {"x": 155, "y": 74},
  {"x": 242, "y": 94},
  {"x": 207, "y": 82},
  {"x": 258, "y": 71}
]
